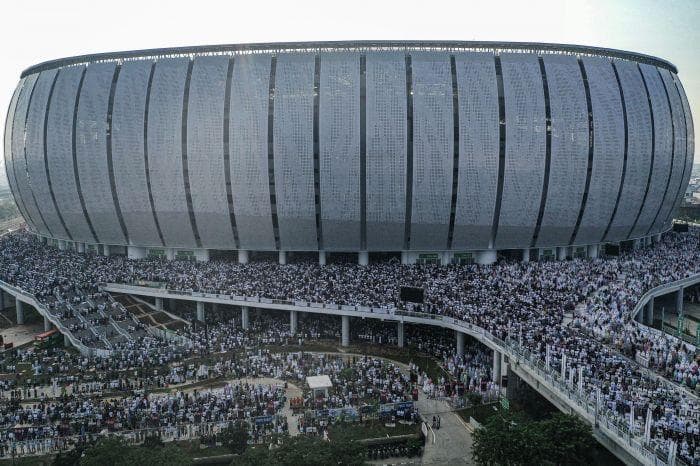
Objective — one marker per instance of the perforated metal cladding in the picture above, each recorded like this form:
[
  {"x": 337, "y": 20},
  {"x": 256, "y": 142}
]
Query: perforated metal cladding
[
  {"x": 569, "y": 150},
  {"x": 128, "y": 115},
  {"x": 478, "y": 150},
  {"x": 339, "y": 139},
  {"x": 9, "y": 155},
  {"x": 433, "y": 150},
  {"x": 662, "y": 151},
  {"x": 386, "y": 150},
  {"x": 690, "y": 141},
  {"x": 249, "y": 152},
  {"x": 19, "y": 170},
  {"x": 293, "y": 150},
  {"x": 35, "y": 154},
  {"x": 91, "y": 152},
  {"x": 525, "y": 150},
  {"x": 60, "y": 152},
  {"x": 638, "y": 150},
  {"x": 608, "y": 150},
  {"x": 205, "y": 152},
  {"x": 679, "y": 149},
  {"x": 165, "y": 151}
]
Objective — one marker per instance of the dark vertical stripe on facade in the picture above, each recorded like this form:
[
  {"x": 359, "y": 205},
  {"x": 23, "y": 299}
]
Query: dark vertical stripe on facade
[
  {"x": 624, "y": 157},
  {"x": 227, "y": 151},
  {"x": 145, "y": 152},
  {"x": 74, "y": 133},
  {"x": 317, "y": 162},
  {"x": 363, "y": 152},
  {"x": 591, "y": 140},
  {"x": 673, "y": 153},
  {"x": 653, "y": 150},
  {"x": 185, "y": 168},
  {"x": 271, "y": 150},
  {"x": 26, "y": 169},
  {"x": 455, "y": 151},
  {"x": 409, "y": 153},
  {"x": 501, "y": 148},
  {"x": 110, "y": 165},
  {"x": 681, "y": 189},
  {"x": 46, "y": 156},
  {"x": 547, "y": 151}
]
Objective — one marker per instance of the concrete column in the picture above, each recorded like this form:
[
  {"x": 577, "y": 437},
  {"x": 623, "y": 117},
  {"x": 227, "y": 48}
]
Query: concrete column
[
  {"x": 526, "y": 255},
  {"x": 345, "y": 331},
  {"x": 649, "y": 310},
  {"x": 242, "y": 256},
  {"x": 245, "y": 317},
  {"x": 66, "y": 340},
  {"x": 593, "y": 251},
  {"x": 293, "y": 319},
  {"x": 363, "y": 258},
  {"x": 322, "y": 257},
  {"x": 460, "y": 342},
  {"x": 201, "y": 255},
  {"x": 19, "y": 309},
  {"x": 105, "y": 249},
  {"x": 47, "y": 324},
  {"x": 679, "y": 301},
  {"x": 561, "y": 253},
  {"x": 485, "y": 257},
  {"x": 404, "y": 257},
  {"x": 657, "y": 238},
  {"x": 159, "y": 304},
  {"x": 61, "y": 245},
  {"x": 283, "y": 257},
  {"x": 496, "y": 376},
  {"x": 200, "y": 311},
  {"x": 399, "y": 334},
  {"x": 81, "y": 248}
]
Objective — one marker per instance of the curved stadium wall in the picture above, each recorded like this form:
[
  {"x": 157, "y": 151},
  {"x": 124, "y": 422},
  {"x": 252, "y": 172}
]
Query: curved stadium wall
[{"x": 362, "y": 146}]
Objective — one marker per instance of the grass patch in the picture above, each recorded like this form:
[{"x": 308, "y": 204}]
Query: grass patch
[{"x": 367, "y": 430}]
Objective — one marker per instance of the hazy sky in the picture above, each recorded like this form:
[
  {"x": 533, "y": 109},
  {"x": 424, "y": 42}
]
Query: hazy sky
[{"x": 34, "y": 31}]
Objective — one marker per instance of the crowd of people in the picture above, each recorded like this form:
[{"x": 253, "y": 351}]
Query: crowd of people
[{"x": 574, "y": 315}]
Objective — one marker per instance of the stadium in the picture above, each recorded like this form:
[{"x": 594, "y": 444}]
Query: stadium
[{"x": 443, "y": 151}]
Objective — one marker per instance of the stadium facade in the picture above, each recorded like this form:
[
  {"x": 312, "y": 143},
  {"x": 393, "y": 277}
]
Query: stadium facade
[{"x": 440, "y": 150}]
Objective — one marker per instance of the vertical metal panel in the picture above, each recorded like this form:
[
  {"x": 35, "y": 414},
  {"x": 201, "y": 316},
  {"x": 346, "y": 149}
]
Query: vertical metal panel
[
  {"x": 8, "y": 155},
  {"x": 91, "y": 153},
  {"x": 165, "y": 151},
  {"x": 293, "y": 152},
  {"x": 478, "y": 150},
  {"x": 433, "y": 150},
  {"x": 662, "y": 151},
  {"x": 679, "y": 153},
  {"x": 129, "y": 166},
  {"x": 205, "y": 152},
  {"x": 60, "y": 153},
  {"x": 386, "y": 151},
  {"x": 35, "y": 153},
  {"x": 19, "y": 171},
  {"x": 690, "y": 141},
  {"x": 569, "y": 150},
  {"x": 608, "y": 150},
  {"x": 248, "y": 150},
  {"x": 638, "y": 150},
  {"x": 339, "y": 125},
  {"x": 525, "y": 150}
]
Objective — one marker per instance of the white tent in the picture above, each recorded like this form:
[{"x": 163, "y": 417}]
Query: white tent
[{"x": 319, "y": 383}]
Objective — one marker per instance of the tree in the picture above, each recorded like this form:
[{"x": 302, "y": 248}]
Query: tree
[
  {"x": 235, "y": 438},
  {"x": 309, "y": 451},
  {"x": 509, "y": 439},
  {"x": 114, "y": 451}
]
